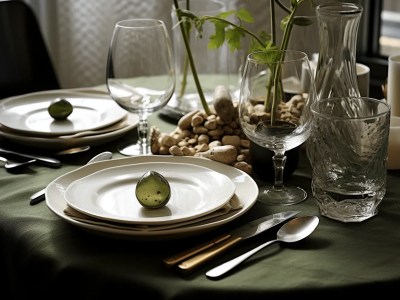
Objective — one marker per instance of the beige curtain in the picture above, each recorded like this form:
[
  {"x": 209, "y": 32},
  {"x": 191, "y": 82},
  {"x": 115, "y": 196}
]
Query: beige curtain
[{"x": 78, "y": 32}]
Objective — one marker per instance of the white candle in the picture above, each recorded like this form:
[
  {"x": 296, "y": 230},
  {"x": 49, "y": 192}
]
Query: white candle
[
  {"x": 393, "y": 162},
  {"x": 363, "y": 79},
  {"x": 393, "y": 85}
]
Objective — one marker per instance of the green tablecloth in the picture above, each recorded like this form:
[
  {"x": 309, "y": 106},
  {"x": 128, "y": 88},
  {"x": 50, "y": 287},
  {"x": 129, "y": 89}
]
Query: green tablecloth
[{"x": 43, "y": 256}]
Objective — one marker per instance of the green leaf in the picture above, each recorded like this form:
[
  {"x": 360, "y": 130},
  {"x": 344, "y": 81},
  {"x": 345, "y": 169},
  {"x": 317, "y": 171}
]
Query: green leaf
[
  {"x": 267, "y": 43},
  {"x": 245, "y": 16},
  {"x": 233, "y": 37},
  {"x": 271, "y": 46},
  {"x": 218, "y": 38},
  {"x": 284, "y": 22},
  {"x": 219, "y": 24},
  {"x": 265, "y": 37},
  {"x": 226, "y": 14},
  {"x": 267, "y": 57}
]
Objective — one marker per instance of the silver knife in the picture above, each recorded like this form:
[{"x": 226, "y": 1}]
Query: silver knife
[
  {"x": 40, "y": 158},
  {"x": 194, "y": 257},
  {"x": 40, "y": 195}
]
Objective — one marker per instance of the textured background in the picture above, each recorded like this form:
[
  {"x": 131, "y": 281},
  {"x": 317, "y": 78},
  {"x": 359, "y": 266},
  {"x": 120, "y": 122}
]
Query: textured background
[{"x": 78, "y": 32}]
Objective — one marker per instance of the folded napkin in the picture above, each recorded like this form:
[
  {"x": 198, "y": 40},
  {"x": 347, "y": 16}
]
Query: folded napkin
[{"x": 232, "y": 205}]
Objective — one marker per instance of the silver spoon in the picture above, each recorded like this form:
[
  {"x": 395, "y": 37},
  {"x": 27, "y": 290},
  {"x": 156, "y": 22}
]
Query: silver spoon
[
  {"x": 10, "y": 165},
  {"x": 292, "y": 231}
]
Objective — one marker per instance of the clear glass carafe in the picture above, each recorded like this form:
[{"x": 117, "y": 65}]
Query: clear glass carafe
[{"x": 336, "y": 74}]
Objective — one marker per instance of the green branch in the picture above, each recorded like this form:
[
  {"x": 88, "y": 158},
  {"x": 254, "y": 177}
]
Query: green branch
[
  {"x": 239, "y": 27},
  {"x": 191, "y": 62},
  {"x": 272, "y": 13}
]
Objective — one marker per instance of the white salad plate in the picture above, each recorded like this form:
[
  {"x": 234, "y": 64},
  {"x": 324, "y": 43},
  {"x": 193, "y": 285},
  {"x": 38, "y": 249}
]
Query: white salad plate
[
  {"x": 28, "y": 113},
  {"x": 246, "y": 191},
  {"x": 109, "y": 194}
]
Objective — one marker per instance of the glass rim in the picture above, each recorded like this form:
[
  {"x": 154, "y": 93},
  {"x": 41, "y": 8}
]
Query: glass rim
[
  {"x": 139, "y": 23},
  {"x": 300, "y": 55},
  {"x": 326, "y": 115},
  {"x": 213, "y": 10},
  {"x": 339, "y": 8}
]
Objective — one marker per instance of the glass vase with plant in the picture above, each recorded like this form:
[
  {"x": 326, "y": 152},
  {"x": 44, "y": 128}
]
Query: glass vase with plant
[
  {"x": 232, "y": 33},
  {"x": 231, "y": 27}
]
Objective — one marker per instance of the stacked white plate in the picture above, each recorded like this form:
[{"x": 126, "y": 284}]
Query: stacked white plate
[
  {"x": 100, "y": 197},
  {"x": 95, "y": 119}
]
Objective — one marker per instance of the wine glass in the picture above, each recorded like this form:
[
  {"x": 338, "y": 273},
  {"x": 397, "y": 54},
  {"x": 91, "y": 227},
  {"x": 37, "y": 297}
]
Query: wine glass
[
  {"x": 281, "y": 82},
  {"x": 140, "y": 73}
]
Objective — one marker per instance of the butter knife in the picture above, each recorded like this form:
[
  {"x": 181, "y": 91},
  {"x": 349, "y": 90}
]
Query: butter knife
[
  {"x": 40, "y": 195},
  {"x": 194, "y": 257},
  {"x": 49, "y": 161}
]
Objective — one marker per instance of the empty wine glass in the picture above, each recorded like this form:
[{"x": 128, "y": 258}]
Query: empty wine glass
[
  {"x": 274, "y": 110},
  {"x": 140, "y": 73}
]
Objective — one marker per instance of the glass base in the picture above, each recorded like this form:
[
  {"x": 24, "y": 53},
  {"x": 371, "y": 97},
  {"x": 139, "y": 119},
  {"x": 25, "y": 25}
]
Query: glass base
[
  {"x": 134, "y": 149},
  {"x": 285, "y": 196},
  {"x": 177, "y": 108}
]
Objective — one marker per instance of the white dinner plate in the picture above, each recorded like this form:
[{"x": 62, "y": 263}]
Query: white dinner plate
[
  {"x": 246, "y": 191},
  {"x": 58, "y": 143},
  {"x": 110, "y": 194},
  {"x": 27, "y": 114}
]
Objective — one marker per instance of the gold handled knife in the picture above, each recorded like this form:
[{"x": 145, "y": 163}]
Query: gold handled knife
[
  {"x": 177, "y": 258},
  {"x": 194, "y": 257}
]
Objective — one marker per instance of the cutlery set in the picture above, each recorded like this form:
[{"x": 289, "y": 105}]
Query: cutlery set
[
  {"x": 192, "y": 258},
  {"x": 11, "y": 165},
  {"x": 292, "y": 231},
  {"x": 43, "y": 160},
  {"x": 19, "y": 159}
]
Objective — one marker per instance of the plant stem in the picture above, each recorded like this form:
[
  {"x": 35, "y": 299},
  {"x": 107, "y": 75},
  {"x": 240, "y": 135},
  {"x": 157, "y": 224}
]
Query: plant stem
[
  {"x": 272, "y": 13},
  {"x": 185, "y": 68},
  {"x": 284, "y": 44},
  {"x": 191, "y": 62},
  {"x": 185, "y": 65},
  {"x": 288, "y": 29}
]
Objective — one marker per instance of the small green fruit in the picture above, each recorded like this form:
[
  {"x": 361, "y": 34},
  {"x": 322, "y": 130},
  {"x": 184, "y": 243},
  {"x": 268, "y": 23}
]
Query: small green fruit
[
  {"x": 153, "y": 190},
  {"x": 60, "y": 109}
]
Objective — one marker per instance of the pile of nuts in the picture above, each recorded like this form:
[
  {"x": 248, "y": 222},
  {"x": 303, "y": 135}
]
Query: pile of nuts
[
  {"x": 289, "y": 111},
  {"x": 217, "y": 136},
  {"x": 208, "y": 136}
]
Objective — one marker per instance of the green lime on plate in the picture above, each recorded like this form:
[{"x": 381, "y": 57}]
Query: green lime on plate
[
  {"x": 153, "y": 190},
  {"x": 60, "y": 109}
]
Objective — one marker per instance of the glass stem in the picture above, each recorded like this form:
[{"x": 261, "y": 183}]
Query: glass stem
[
  {"x": 279, "y": 160},
  {"x": 143, "y": 133}
]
